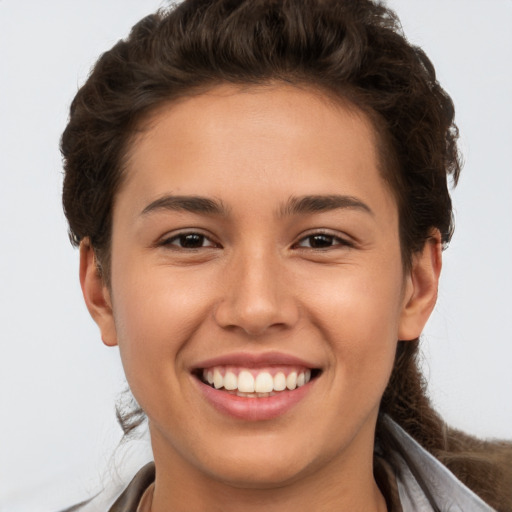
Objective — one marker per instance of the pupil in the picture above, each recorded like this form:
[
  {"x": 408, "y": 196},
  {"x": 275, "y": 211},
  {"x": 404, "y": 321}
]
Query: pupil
[
  {"x": 191, "y": 241},
  {"x": 319, "y": 241}
]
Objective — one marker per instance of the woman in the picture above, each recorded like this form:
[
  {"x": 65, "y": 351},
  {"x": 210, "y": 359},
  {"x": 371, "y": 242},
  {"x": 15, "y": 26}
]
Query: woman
[{"x": 259, "y": 192}]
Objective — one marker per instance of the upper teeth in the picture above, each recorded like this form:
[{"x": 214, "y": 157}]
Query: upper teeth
[{"x": 256, "y": 381}]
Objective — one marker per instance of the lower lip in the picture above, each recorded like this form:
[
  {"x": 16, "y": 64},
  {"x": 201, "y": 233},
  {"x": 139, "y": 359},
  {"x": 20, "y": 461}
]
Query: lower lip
[{"x": 254, "y": 409}]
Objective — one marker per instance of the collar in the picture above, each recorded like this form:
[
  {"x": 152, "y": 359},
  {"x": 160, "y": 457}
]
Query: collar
[{"x": 423, "y": 482}]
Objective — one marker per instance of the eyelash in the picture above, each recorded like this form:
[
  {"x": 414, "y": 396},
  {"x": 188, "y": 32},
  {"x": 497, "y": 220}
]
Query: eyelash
[
  {"x": 332, "y": 241},
  {"x": 180, "y": 237}
]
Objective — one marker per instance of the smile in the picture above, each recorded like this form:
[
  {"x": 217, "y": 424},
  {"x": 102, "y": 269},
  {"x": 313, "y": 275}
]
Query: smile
[
  {"x": 255, "y": 387},
  {"x": 256, "y": 382}
]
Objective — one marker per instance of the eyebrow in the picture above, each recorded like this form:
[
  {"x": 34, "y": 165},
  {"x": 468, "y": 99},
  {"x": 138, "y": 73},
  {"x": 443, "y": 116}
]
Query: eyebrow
[
  {"x": 322, "y": 203},
  {"x": 294, "y": 206},
  {"x": 193, "y": 204}
]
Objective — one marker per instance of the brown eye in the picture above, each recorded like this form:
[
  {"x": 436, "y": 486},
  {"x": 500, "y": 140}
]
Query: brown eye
[
  {"x": 321, "y": 241},
  {"x": 192, "y": 241},
  {"x": 189, "y": 241}
]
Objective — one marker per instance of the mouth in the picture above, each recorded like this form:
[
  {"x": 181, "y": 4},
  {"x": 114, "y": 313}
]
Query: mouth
[
  {"x": 255, "y": 387},
  {"x": 256, "y": 382}
]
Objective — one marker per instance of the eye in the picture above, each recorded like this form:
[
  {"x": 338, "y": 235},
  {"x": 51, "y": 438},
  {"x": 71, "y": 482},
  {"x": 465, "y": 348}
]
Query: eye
[
  {"x": 321, "y": 241},
  {"x": 189, "y": 241}
]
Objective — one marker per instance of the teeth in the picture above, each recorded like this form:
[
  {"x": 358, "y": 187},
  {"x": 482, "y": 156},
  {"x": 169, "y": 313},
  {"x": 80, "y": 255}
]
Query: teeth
[
  {"x": 263, "y": 385},
  {"x": 218, "y": 380},
  {"x": 245, "y": 382},
  {"x": 230, "y": 381},
  {"x": 254, "y": 395},
  {"x": 291, "y": 381},
  {"x": 279, "y": 382}
]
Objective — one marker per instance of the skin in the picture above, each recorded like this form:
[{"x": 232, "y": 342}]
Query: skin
[{"x": 256, "y": 284}]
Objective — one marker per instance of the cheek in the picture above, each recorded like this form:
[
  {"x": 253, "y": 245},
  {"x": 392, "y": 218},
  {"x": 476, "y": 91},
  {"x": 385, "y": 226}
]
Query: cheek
[
  {"x": 155, "y": 315},
  {"x": 358, "y": 312},
  {"x": 357, "y": 300}
]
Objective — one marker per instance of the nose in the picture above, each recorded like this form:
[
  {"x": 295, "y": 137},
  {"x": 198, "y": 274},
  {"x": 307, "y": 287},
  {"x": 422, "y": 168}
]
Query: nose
[{"x": 257, "y": 295}]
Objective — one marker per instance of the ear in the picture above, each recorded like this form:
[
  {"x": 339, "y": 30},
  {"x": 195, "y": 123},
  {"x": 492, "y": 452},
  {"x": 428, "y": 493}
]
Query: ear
[
  {"x": 421, "y": 287},
  {"x": 96, "y": 294}
]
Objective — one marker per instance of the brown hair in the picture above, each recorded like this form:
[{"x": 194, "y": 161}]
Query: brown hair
[{"x": 351, "y": 49}]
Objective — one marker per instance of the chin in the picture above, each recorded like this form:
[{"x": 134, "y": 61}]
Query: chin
[
  {"x": 269, "y": 474},
  {"x": 264, "y": 464}
]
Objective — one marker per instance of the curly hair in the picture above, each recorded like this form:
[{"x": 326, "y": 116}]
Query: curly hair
[{"x": 353, "y": 50}]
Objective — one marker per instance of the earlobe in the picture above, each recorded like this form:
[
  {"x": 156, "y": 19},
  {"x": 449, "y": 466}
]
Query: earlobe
[
  {"x": 421, "y": 288},
  {"x": 96, "y": 294}
]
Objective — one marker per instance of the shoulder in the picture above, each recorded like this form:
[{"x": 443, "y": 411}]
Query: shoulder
[
  {"x": 424, "y": 482},
  {"x": 125, "y": 501},
  {"x": 483, "y": 465},
  {"x": 130, "y": 498}
]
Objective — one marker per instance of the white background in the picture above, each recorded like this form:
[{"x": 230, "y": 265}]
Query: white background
[{"x": 58, "y": 383}]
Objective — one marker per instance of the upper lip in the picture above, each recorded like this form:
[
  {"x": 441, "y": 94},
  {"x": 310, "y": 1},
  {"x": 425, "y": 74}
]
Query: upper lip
[{"x": 254, "y": 360}]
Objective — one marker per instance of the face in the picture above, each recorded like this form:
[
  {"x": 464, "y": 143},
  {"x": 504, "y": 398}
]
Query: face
[{"x": 257, "y": 289}]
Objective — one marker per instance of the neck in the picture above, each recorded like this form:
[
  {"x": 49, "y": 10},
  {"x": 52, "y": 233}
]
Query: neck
[{"x": 368, "y": 498}]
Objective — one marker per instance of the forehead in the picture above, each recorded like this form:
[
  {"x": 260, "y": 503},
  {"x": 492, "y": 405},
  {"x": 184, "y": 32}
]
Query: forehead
[{"x": 265, "y": 138}]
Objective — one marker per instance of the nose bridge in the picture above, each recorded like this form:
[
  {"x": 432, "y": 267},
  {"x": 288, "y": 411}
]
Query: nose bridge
[{"x": 257, "y": 295}]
